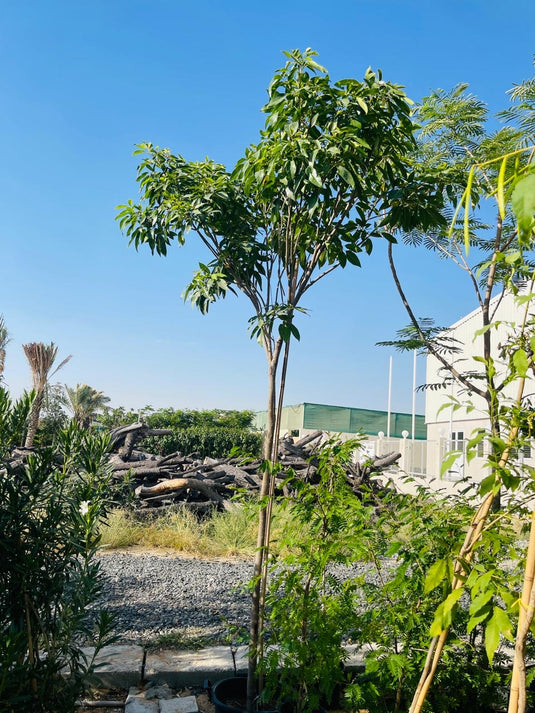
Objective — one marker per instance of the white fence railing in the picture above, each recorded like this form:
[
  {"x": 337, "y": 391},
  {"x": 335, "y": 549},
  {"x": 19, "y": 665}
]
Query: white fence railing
[{"x": 413, "y": 453}]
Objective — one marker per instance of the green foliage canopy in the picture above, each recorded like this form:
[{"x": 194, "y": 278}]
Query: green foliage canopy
[{"x": 308, "y": 197}]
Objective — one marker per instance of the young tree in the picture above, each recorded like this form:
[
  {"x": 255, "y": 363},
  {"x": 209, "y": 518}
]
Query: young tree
[
  {"x": 309, "y": 197},
  {"x": 457, "y": 151},
  {"x": 41, "y": 358},
  {"x": 454, "y": 138},
  {"x": 53, "y": 417},
  {"x": 85, "y": 402}
]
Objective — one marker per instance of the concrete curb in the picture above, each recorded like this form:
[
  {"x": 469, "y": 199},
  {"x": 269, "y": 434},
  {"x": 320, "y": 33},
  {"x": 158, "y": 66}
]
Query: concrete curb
[{"x": 125, "y": 666}]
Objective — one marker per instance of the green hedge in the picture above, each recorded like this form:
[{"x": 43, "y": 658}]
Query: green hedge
[{"x": 212, "y": 442}]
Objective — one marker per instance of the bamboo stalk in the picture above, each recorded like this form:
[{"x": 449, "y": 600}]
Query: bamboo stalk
[
  {"x": 465, "y": 555},
  {"x": 517, "y": 696}
]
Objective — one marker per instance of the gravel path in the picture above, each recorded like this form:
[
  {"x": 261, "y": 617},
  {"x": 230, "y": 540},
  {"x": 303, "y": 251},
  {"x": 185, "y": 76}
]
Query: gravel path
[{"x": 152, "y": 594}]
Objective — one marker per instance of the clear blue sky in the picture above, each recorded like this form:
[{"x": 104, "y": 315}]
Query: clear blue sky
[{"x": 84, "y": 81}]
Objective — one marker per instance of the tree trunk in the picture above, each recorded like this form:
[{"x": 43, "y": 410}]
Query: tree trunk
[
  {"x": 266, "y": 491},
  {"x": 33, "y": 419},
  {"x": 271, "y": 411}
]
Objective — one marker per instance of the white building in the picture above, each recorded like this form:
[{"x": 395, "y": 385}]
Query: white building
[{"x": 449, "y": 428}]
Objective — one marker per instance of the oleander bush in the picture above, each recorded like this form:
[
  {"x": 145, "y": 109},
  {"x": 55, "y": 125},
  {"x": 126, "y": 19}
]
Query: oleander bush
[{"x": 50, "y": 508}]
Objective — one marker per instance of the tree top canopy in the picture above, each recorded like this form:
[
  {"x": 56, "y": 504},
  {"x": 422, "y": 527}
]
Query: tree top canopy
[{"x": 327, "y": 176}]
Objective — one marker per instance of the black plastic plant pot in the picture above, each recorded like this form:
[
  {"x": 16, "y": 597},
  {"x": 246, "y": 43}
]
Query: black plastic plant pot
[{"x": 230, "y": 695}]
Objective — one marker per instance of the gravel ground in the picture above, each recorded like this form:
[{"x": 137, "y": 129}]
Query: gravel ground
[{"x": 153, "y": 594}]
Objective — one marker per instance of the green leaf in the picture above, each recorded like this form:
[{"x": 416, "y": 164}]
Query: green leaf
[
  {"x": 436, "y": 574},
  {"x": 523, "y": 202},
  {"x": 467, "y": 206},
  {"x": 500, "y": 192},
  {"x": 487, "y": 484},
  {"x": 492, "y": 637},
  {"x": 504, "y": 623},
  {"x": 480, "y": 602},
  {"x": 478, "y": 618},
  {"x": 512, "y": 258},
  {"x": 284, "y": 332},
  {"x": 444, "y": 613},
  {"x": 314, "y": 178},
  {"x": 295, "y": 331},
  {"x": 346, "y": 175},
  {"x": 452, "y": 599},
  {"x": 521, "y": 362},
  {"x": 353, "y": 258},
  {"x": 448, "y": 461}
]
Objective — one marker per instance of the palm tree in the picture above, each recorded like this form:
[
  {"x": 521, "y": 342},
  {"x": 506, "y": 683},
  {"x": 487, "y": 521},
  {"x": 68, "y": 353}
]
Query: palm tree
[
  {"x": 4, "y": 339},
  {"x": 41, "y": 358},
  {"x": 85, "y": 402}
]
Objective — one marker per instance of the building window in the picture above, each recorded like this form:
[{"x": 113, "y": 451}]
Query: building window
[{"x": 457, "y": 441}]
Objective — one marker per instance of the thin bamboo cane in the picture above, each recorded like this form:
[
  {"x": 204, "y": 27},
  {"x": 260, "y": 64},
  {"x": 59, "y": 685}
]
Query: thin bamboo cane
[
  {"x": 517, "y": 696},
  {"x": 465, "y": 555}
]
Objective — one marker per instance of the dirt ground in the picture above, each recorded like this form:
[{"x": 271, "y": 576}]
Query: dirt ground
[{"x": 119, "y": 696}]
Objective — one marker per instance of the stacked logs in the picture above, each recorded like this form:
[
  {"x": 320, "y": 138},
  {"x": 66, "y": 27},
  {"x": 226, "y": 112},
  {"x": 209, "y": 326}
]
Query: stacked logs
[{"x": 199, "y": 484}]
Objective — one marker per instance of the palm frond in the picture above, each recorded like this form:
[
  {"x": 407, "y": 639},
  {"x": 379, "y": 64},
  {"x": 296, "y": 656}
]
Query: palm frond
[{"x": 427, "y": 336}]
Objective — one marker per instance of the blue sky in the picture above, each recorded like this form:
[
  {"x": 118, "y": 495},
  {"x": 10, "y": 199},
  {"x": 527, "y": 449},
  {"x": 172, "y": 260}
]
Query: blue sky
[{"x": 84, "y": 81}]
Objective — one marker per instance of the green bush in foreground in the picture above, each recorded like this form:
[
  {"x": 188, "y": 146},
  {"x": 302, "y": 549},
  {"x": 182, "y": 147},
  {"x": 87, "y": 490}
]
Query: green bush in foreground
[{"x": 49, "y": 578}]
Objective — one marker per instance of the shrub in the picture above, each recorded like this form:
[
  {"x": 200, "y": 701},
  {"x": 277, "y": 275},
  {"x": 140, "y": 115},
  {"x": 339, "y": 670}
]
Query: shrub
[
  {"x": 213, "y": 442},
  {"x": 49, "y": 579},
  {"x": 414, "y": 537},
  {"x": 309, "y": 607}
]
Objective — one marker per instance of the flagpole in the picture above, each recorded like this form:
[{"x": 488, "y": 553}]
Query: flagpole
[
  {"x": 389, "y": 398},
  {"x": 413, "y": 423}
]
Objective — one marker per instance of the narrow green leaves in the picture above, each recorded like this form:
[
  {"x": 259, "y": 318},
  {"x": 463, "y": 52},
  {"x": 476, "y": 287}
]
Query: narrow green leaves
[
  {"x": 467, "y": 206},
  {"x": 523, "y": 203},
  {"x": 500, "y": 195}
]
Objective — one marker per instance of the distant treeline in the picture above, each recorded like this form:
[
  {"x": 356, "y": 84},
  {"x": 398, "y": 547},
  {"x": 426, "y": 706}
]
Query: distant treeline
[{"x": 211, "y": 433}]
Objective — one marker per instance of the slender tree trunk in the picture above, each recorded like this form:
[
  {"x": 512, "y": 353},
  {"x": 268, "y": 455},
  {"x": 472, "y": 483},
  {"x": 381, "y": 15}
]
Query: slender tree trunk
[
  {"x": 271, "y": 444},
  {"x": 33, "y": 420},
  {"x": 271, "y": 439},
  {"x": 256, "y": 594},
  {"x": 271, "y": 410}
]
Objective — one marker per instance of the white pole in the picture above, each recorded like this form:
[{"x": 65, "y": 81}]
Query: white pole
[
  {"x": 451, "y": 419},
  {"x": 413, "y": 423},
  {"x": 389, "y": 398}
]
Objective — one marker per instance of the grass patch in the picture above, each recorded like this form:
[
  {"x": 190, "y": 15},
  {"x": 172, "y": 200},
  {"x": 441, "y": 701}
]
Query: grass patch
[
  {"x": 191, "y": 639},
  {"x": 121, "y": 529},
  {"x": 231, "y": 533},
  {"x": 176, "y": 529}
]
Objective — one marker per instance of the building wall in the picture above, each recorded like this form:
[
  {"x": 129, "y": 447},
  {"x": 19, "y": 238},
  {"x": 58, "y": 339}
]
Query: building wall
[
  {"x": 342, "y": 419},
  {"x": 449, "y": 427}
]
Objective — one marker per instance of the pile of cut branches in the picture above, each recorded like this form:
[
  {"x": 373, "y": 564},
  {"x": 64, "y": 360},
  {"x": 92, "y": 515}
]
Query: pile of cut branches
[{"x": 199, "y": 484}]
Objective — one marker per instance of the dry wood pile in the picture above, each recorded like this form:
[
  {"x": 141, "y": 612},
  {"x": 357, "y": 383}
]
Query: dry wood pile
[{"x": 200, "y": 483}]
